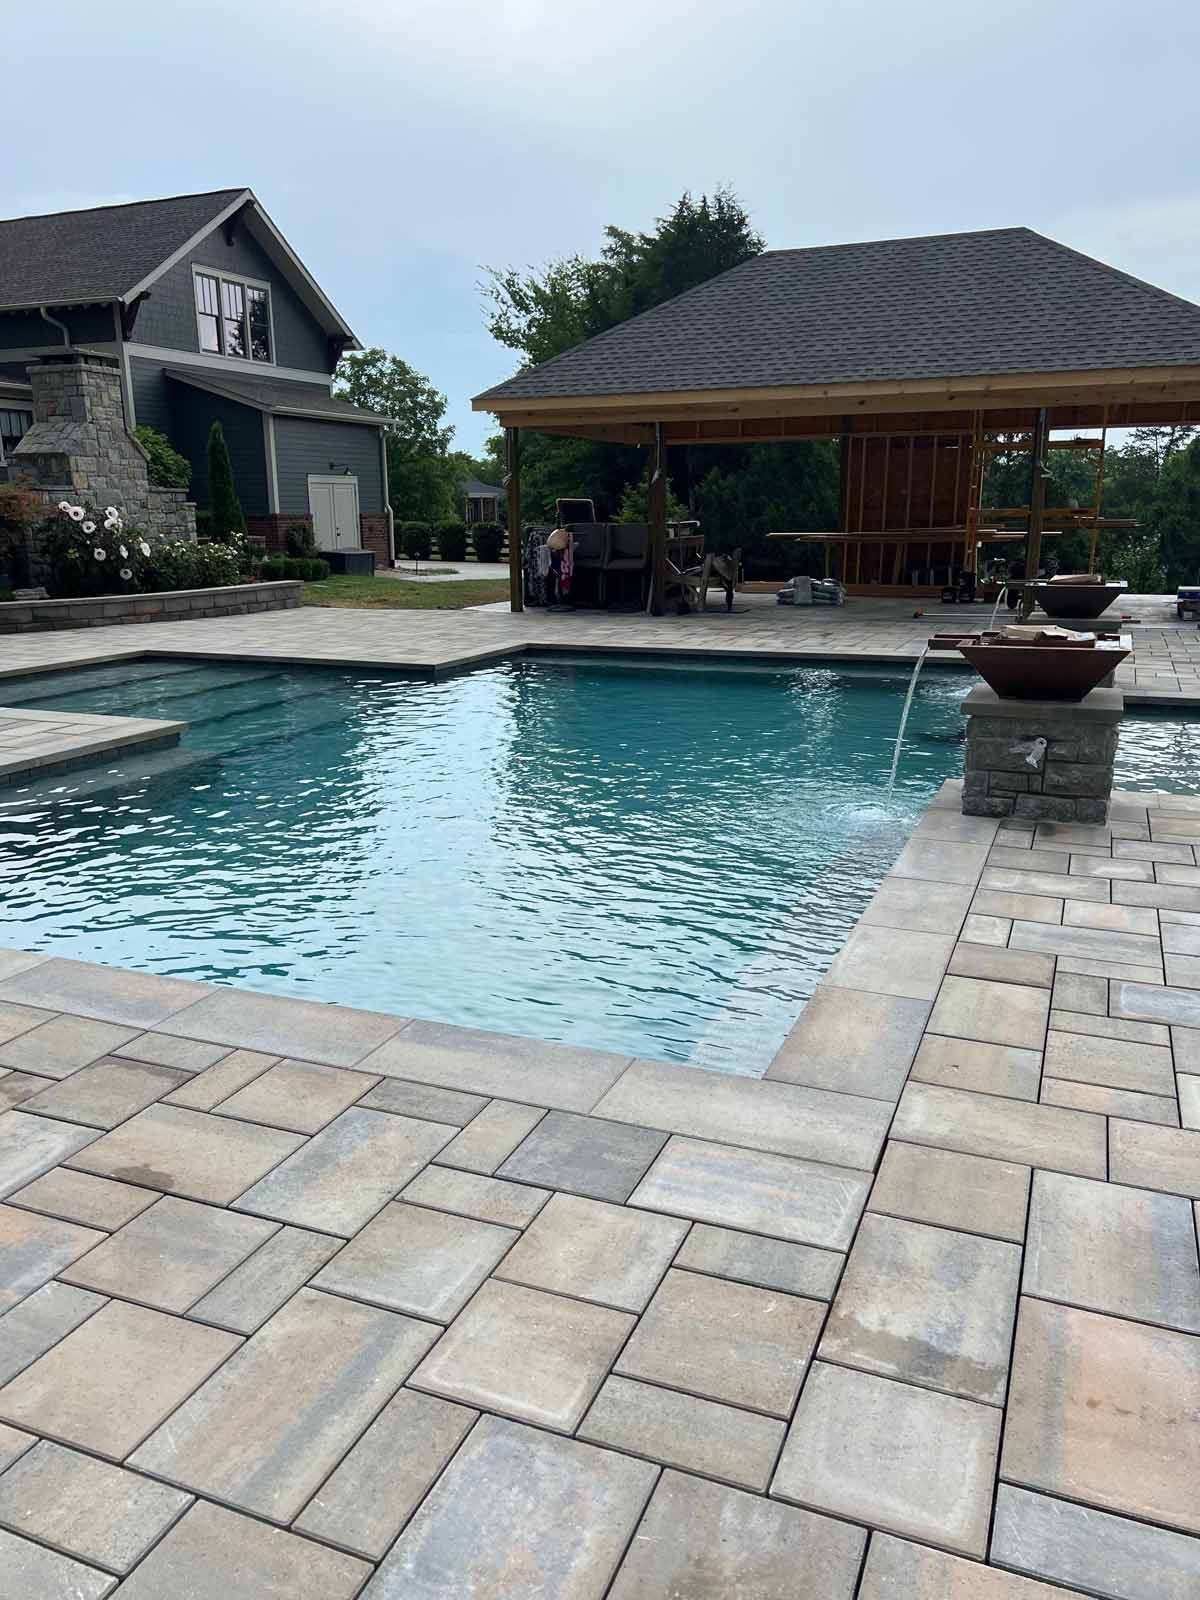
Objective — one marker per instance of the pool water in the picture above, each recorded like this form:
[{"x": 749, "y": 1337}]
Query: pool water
[{"x": 658, "y": 859}]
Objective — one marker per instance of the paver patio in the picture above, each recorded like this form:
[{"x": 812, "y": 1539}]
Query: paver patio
[{"x": 308, "y": 1301}]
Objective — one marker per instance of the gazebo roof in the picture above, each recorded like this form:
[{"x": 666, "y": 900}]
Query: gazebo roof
[{"x": 927, "y": 323}]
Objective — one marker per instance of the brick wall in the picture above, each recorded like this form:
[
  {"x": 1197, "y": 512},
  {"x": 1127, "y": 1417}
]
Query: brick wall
[
  {"x": 273, "y": 528},
  {"x": 373, "y": 533}
]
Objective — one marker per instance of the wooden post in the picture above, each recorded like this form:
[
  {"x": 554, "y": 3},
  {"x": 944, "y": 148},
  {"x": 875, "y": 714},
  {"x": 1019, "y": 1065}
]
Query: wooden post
[
  {"x": 658, "y": 523},
  {"x": 512, "y": 482},
  {"x": 1037, "y": 495}
]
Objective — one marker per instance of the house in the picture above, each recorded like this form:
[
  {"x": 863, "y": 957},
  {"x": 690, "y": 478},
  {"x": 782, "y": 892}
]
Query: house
[
  {"x": 481, "y": 501},
  {"x": 177, "y": 313}
]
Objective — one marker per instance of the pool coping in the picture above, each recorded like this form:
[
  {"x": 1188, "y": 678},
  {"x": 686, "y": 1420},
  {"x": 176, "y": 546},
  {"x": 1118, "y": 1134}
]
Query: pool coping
[{"x": 58, "y": 740}]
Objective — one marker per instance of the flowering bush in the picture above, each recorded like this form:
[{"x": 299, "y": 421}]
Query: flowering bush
[{"x": 94, "y": 553}]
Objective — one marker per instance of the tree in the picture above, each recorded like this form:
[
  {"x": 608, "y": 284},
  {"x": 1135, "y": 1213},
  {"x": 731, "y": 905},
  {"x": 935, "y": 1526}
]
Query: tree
[
  {"x": 422, "y": 473},
  {"x": 225, "y": 509},
  {"x": 1175, "y": 516},
  {"x": 166, "y": 467}
]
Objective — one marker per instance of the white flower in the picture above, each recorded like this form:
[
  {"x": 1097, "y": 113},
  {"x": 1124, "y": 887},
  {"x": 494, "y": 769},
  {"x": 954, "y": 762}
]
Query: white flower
[
  {"x": 100, "y": 553},
  {"x": 76, "y": 513},
  {"x": 126, "y": 574},
  {"x": 111, "y": 511},
  {"x": 124, "y": 552},
  {"x": 64, "y": 505},
  {"x": 144, "y": 547},
  {"x": 89, "y": 527}
]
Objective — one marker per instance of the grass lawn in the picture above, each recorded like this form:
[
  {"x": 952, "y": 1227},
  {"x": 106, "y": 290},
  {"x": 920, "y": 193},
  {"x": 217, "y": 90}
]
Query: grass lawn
[{"x": 393, "y": 594}]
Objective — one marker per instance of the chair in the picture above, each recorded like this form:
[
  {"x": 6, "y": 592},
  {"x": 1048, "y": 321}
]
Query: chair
[
  {"x": 590, "y": 550},
  {"x": 723, "y": 569},
  {"x": 628, "y": 550}
]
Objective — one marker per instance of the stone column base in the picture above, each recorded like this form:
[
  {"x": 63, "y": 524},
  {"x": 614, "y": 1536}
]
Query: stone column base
[{"x": 1047, "y": 760}]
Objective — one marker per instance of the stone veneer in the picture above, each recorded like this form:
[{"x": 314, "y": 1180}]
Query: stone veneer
[
  {"x": 1046, "y": 760},
  {"x": 174, "y": 605},
  {"x": 80, "y": 449}
]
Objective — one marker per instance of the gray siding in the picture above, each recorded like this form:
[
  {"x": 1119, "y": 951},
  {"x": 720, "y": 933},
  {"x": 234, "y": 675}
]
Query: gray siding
[
  {"x": 91, "y": 325},
  {"x": 192, "y": 415},
  {"x": 168, "y": 317},
  {"x": 152, "y": 397},
  {"x": 303, "y": 446}
]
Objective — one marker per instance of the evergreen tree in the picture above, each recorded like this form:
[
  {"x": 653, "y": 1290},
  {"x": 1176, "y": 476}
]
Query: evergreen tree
[
  {"x": 1175, "y": 516},
  {"x": 225, "y": 509}
]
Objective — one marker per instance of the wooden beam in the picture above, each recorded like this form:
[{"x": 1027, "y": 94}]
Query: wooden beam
[
  {"x": 512, "y": 482},
  {"x": 1037, "y": 495},
  {"x": 658, "y": 525}
]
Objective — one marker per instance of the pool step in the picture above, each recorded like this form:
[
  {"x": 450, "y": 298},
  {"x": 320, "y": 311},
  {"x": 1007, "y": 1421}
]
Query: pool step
[{"x": 112, "y": 774}]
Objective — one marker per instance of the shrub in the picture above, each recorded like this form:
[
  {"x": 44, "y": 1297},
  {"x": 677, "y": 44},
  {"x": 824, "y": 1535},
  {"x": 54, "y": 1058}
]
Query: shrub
[
  {"x": 20, "y": 511},
  {"x": 300, "y": 539},
  {"x": 166, "y": 467},
  {"x": 416, "y": 540},
  {"x": 452, "y": 541},
  {"x": 224, "y": 506},
  {"x": 94, "y": 553},
  {"x": 306, "y": 569},
  {"x": 487, "y": 537}
]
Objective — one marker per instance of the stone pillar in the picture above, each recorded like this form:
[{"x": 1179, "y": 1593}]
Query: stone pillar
[{"x": 1046, "y": 760}]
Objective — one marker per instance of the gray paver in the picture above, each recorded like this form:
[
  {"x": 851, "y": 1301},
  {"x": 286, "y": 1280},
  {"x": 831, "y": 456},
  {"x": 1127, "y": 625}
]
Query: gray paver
[
  {"x": 801, "y": 1201},
  {"x": 995, "y": 1013},
  {"x": 254, "y": 1291},
  {"x": 705, "y": 1541},
  {"x": 48, "y": 1315},
  {"x": 187, "y": 1152},
  {"x": 1113, "y": 1062},
  {"x": 724, "y": 1341},
  {"x": 785, "y": 1118},
  {"x": 62, "y": 1045},
  {"x": 266, "y": 1430},
  {"x": 81, "y": 1197},
  {"x": 853, "y": 1041},
  {"x": 304, "y": 1029},
  {"x": 13, "y": 1445},
  {"x": 942, "y": 861},
  {"x": 1110, "y": 1102},
  {"x": 33, "y": 1249},
  {"x": 910, "y": 903},
  {"x": 86, "y": 1508},
  {"x": 18, "y": 1087},
  {"x": 511, "y": 1205},
  {"x": 15, "y": 1019},
  {"x": 424, "y": 1100},
  {"x": 114, "y": 1378},
  {"x": 1093, "y": 1550},
  {"x": 594, "y": 1251},
  {"x": 491, "y": 1137},
  {"x": 978, "y": 928},
  {"x": 584, "y": 1155},
  {"x": 1102, "y": 1027},
  {"x": 1009, "y": 1130},
  {"x": 426, "y": 1263},
  {"x": 1188, "y": 1088},
  {"x": 107, "y": 1092},
  {"x": 189, "y": 1055},
  {"x": 926, "y": 1305},
  {"x": 1149, "y": 1002},
  {"x": 1155, "y": 1158},
  {"x": 873, "y": 958},
  {"x": 1076, "y": 992},
  {"x": 970, "y": 1064},
  {"x": 681, "y": 1430},
  {"x": 31, "y": 1569},
  {"x": 365, "y": 1502},
  {"x": 302, "y": 1096},
  {"x": 1005, "y": 881},
  {"x": 972, "y": 1193},
  {"x": 111, "y": 994},
  {"x": 768, "y": 1263},
  {"x": 214, "y": 1554},
  {"x": 1029, "y": 907},
  {"x": 170, "y": 1255},
  {"x": 525, "y": 1354},
  {"x": 525, "y": 1070},
  {"x": 897, "y": 1570},
  {"x": 996, "y": 965},
  {"x": 345, "y": 1174},
  {"x": 216, "y": 1083},
  {"x": 893, "y": 1456},
  {"x": 1097, "y": 1412},
  {"x": 1099, "y": 943},
  {"x": 1117, "y": 919},
  {"x": 519, "y": 1512}
]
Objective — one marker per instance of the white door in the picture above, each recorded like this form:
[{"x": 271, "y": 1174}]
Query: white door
[{"x": 333, "y": 502}]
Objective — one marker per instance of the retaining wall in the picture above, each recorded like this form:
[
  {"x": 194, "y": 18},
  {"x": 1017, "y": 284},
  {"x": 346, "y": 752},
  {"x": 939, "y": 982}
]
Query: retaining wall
[{"x": 174, "y": 605}]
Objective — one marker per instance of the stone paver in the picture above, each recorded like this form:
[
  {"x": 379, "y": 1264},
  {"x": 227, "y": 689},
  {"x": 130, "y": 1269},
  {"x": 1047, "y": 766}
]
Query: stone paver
[
  {"x": 492, "y": 1136},
  {"x": 1155, "y": 1158},
  {"x": 213, "y": 1086},
  {"x": 1102, "y": 1411},
  {"x": 898, "y": 1570},
  {"x": 704, "y": 1541},
  {"x": 896, "y": 1457},
  {"x": 61, "y": 1045},
  {"x": 266, "y": 1280},
  {"x": 30, "y": 1146},
  {"x": 424, "y": 1100},
  {"x": 80, "y": 1197},
  {"x": 511, "y": 1205},
  {"x": 265, "y": 1430},
  {"x": 584, "y": 1155},
  {"x": 525, "y": 1354},
  {"x": 874, "y": 959},
  {"x": 106, "y": 1093},
  {"x": 137, "y": 999},
  {"x": 301, "y": 1096},
  {"x": 31, "y": 1569},
  {"x": 681, "y": 1430},
  {"x": 927, "y": 1305},
  {"x": 972, "y": 1193},
  {"x": 852, "y": 1041},
  {"x": 995, "y": 1013},
  {"x": 33, "y": 1249},
  {"x": 189, "y": 1055},
  {"x": 593, "y": 1251},
  {"x": 519, "y": 1512},
  {"x": 302, "y": 1029},
  {"x": 1009, "y": 1130},
  {"x": 39, "y": 1321},
  {"x": 768, "y": 1263},
  {"x": 969, "y": 1064}
]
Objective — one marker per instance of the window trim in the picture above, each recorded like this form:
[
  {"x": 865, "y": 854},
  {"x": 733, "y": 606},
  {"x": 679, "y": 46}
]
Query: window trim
[{"x": 220, "y": 274}]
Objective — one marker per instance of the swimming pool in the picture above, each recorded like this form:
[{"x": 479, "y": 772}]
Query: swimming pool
[{"x": 656, "y": 858}]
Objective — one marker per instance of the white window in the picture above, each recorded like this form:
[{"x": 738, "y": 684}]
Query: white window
[
  {"x": 14, "y": 424},
  {"x": 233, "y": 316}
]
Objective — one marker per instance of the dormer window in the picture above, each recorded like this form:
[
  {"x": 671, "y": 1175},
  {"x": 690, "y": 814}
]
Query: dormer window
[{"x": 233, "y": 316}]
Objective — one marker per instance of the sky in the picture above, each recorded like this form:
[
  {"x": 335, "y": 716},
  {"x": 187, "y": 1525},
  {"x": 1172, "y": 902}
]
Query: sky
[{"x": 404, "y": 147}]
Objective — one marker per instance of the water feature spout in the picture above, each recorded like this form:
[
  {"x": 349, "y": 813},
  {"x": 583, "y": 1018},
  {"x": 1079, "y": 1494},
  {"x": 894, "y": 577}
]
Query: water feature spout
[
  {"x": 908, "y": 700},
  {"x": 996, "y": 607}
]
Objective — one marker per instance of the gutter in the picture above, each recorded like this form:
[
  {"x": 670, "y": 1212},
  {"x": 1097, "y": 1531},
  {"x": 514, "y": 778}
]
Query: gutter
[{"x": 55, "y": 323}]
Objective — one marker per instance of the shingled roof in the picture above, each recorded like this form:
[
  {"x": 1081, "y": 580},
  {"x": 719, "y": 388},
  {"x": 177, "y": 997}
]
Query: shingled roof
[
  {"x": 74, "y": 257},
  {"x": 947, "y": 306},
  {"x": 276, "y": 395}
]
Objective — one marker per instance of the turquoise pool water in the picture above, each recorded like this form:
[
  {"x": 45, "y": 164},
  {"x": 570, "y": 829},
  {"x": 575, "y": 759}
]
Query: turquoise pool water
[{"x": 650, "y": 858}]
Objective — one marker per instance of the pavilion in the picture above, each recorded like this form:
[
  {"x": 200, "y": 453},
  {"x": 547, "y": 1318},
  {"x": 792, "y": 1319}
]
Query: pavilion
[{"x": 915, "y": 354}]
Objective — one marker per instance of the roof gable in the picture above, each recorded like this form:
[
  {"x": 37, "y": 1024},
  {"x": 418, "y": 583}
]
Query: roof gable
[{"x": 950, "y": 305}]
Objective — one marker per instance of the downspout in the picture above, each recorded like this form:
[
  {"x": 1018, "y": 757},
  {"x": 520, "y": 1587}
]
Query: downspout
[
  {"x": 61, "y": 326},
  {"x": 387, "y": 504}
]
